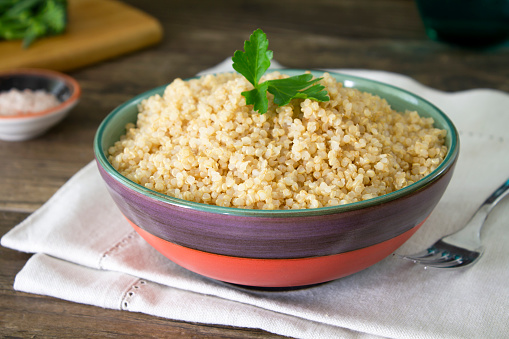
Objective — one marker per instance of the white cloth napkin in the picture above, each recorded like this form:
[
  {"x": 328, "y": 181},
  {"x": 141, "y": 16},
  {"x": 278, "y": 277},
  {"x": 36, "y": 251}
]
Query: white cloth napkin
[{"x": 87, "y": 253}]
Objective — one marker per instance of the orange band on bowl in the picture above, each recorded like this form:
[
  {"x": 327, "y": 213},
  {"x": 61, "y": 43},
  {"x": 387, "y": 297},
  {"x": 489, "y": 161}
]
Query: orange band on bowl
[{"x": 275, "y": 272}]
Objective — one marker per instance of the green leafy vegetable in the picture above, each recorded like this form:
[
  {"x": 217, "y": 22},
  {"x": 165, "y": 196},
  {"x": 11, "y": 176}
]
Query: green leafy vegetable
[
  {"x": 28, "y": 20},
  {"x": 255, "y": 61}
]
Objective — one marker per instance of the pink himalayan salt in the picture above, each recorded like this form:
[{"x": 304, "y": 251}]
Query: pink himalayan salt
[{"x": 26, "y": 101}]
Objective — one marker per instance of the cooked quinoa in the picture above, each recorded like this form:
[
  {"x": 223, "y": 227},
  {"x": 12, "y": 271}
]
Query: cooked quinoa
[{"x": 201, "y": 142}]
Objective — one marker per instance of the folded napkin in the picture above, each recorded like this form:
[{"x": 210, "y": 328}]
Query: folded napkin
[{"x": 86, "y": 252}]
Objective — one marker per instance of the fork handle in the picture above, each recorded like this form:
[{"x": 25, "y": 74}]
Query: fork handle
[
  {"x": 498, "y": 195},
  {"x": 482, "y": 213},
  {"x": 472, "y": 229}
]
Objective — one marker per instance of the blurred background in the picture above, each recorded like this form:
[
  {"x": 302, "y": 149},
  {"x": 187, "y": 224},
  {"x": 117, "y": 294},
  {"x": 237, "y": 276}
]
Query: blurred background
[{"x": 382, "y": 34}]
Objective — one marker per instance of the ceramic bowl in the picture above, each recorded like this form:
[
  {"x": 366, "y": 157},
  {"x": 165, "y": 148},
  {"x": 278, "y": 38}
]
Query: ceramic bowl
[
  {"x": 19, "y": 127},
  {"x": 278, "y": 248}
]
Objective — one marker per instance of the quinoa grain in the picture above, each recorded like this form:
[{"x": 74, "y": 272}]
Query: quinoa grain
[{"x": 199, "y": 141}]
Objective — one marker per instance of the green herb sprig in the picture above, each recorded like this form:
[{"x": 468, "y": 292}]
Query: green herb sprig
[
  {"x": 29, "y": 20},
  {"x": 254, "y": 62}
]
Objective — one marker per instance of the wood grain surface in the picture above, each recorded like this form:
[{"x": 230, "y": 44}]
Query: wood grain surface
[{"x": 379, "y": 35}]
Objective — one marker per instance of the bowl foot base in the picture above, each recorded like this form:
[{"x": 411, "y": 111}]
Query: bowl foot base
[{"x": 274, "y": 289}]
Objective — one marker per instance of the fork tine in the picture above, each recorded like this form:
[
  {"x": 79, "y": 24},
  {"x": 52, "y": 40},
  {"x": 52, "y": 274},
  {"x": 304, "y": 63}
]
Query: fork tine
[
  {"x": 427, "y": 253},
  {"x": 457, "y": 262},
  {"x": 443, "y": 263},
  {"x": 434, "y": 258}
]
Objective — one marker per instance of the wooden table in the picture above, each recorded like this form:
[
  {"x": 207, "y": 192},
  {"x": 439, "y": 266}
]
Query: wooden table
[{"x": 379, "y": 35}]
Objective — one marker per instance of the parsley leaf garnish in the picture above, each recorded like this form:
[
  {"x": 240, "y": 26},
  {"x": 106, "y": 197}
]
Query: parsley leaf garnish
[{"x": 255, "y": 61}]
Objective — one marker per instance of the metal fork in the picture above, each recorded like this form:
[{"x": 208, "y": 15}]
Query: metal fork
[{"x": 463, "y": 247}]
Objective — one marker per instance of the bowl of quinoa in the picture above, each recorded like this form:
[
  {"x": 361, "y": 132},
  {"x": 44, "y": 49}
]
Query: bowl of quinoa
[
  {"x": 305, "y": 193},
  {"x": 34, "y": 100}
]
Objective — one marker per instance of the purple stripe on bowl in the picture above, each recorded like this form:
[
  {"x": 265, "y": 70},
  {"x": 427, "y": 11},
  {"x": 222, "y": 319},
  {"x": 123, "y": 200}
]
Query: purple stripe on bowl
[{"x": 277, "y": 237}]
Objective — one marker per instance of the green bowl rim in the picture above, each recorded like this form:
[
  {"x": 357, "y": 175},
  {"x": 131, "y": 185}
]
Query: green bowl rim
[{"x": 448, "y": 161}]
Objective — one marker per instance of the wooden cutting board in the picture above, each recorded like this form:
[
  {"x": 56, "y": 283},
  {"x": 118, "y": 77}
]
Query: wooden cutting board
[{"x": 96, "y": 30}]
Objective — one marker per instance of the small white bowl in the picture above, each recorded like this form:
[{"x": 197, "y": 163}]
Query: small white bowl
[{"x": 19, "y": 127}]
